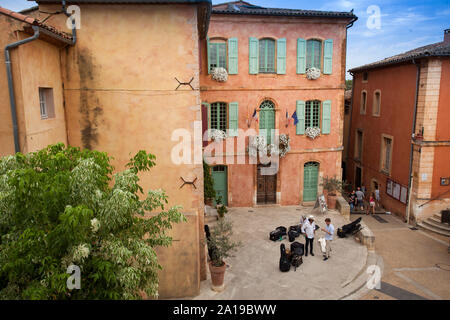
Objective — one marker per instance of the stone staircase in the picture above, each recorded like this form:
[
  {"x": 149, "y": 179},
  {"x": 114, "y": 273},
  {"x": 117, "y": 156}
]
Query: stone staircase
[{"x": 434, "y": 224}]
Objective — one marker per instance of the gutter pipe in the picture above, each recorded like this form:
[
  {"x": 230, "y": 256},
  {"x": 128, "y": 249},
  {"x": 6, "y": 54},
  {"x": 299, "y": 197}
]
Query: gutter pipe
[
  {"x": 12, "y": 98},
  {"x": 408, "y": 207}
]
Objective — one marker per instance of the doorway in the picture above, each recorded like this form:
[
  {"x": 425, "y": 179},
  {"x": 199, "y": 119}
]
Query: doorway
[
  {"x": 310, "y": 181},
  {"x": 266, "y": 192},
  {"x": 220, "y": 183}
]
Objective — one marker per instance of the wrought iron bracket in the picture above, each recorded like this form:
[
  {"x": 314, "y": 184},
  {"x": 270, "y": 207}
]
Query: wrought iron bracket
[
  {"x": 188, "y": 182},
  {"x": 184, "y": 83}
]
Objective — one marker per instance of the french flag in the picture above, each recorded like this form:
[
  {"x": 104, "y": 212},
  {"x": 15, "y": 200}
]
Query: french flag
[{"x": 255, "y": 115}]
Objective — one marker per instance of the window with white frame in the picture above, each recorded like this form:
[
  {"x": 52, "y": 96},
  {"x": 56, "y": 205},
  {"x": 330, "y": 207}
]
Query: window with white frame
[
  {"x": 363, "y": 102},
  {"x": 46, "y": 104},
  {"x": 376, "y": 108}
]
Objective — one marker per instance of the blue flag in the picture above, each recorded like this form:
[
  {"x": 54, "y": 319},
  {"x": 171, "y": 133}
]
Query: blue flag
[{"x": 294, "y": 116}]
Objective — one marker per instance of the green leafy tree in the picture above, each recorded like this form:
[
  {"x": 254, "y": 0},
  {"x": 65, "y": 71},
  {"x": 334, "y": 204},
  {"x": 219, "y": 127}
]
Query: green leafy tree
[{"x": 62, "y": 206}]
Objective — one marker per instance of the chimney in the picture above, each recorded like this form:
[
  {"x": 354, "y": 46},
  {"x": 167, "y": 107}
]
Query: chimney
[{"x": 447, "y": 36}]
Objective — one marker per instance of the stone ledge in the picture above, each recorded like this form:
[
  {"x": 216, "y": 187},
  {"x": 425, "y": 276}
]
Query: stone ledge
[
  {"x": 343, "y": 207},
  {"x": 366, "y": 237}
]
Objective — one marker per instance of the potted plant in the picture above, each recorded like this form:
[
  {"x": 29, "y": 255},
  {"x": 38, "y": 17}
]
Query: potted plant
[
  {"x": 221, "y": 245},
  {"x": 208, "y": 185},
  {"x": 221, "y": 208},
  {"x": 331, "y": 186}
]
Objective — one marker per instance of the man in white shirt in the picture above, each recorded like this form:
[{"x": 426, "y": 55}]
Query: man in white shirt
[
  {"x": 329, "y": 231},
  {"x": 309, "y": 228}
]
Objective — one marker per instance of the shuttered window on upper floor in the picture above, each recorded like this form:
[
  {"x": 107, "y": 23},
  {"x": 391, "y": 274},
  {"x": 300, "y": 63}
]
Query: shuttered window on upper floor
[
  {"x": 223, "y": 54},
  {"x": 313, "y": 114}
]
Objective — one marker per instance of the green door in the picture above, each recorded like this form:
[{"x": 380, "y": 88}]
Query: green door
[
  {"x": 310, "y": 181},
  {"x": 219, "y": 175},
  {"x": 267, "y": 119}
]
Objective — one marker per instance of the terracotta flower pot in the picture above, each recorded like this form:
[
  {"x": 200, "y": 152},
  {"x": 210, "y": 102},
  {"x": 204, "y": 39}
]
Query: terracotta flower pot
[
  {"x": 209, "y": 202},
  {"x": 217, "y": 274},
  {"x": 331, "y": 201}
]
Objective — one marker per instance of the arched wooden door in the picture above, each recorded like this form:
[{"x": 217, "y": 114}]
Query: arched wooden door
[{"x": 310, "y": 181}]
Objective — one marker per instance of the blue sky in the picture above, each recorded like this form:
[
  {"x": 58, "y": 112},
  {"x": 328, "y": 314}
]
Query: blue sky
[{"x": 404, "y": 25}]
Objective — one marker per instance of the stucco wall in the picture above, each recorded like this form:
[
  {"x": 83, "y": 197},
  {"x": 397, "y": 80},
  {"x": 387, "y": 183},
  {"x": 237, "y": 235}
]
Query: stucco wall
[
  {"x": 120, "y": 98},
  {"x": 35, "y": 64},
  {"x": 397, "y": 86},
  {"x": 283, "y": 90}
]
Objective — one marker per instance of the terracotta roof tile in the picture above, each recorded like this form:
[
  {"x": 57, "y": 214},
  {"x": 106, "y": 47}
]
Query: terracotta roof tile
[
  {"x": 439, "y": 49},
  {"x": 34, "y": 22},
  {"x": 241, "y": 7}
]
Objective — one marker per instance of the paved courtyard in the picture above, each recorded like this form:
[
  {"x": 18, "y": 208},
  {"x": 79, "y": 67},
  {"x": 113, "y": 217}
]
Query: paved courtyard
[
  {"x": 416, "y": 262},
  {"x": 253, "y": 272}
]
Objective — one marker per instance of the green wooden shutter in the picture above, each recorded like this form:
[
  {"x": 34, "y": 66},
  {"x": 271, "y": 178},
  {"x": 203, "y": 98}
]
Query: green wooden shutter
[
  {"x": 301, "y": 56},
  {"x": 207, "y": 53},
  {"x": 281, "y": 56},
  {"x": 301, "y": 117},
  {"x": 328, "y": 56},
  {"x": 253, "y": 56},
  {"x": 232, "y": 56},
  {"x": 262, "y": 121},
  {"x": 326, "y": 117},
  {"x": 233, "y": 119}
]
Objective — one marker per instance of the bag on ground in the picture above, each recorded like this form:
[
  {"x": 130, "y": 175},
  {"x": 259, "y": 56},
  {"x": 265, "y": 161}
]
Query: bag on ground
[
  {"x": 323, "y": 245},
  {"x": 296, "y": 261},
  {"x": 297, "y": 248},
  {"x": 285, "y": 265}
]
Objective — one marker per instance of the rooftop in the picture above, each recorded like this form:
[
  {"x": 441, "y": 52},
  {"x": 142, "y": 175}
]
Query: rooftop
[
  {"x": 439, "y": 49},
  {"x": 242, "y": 7},
  {"x": 34, "y": 22}
]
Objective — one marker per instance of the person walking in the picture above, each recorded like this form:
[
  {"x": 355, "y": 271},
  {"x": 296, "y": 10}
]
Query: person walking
[
  {"x": 377, "y": 196},
  {"x": 360, "y": 198},
  {"x": 309, "y": 229},
  {"x": 329, "y": 232},
  {"x": 352, "y": 200},
  {"x": 371, "y": 206}
]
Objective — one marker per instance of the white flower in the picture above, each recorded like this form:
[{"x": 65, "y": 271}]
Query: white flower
[
  {"x": 80, "y": 253},
  {"x": 217, "y": 135},
  {"x": 219, "y": 74},
  {"x": 95, "y": 225},
  {"x": 312, "y": 73},
  {"x": 312, "y": 132}
]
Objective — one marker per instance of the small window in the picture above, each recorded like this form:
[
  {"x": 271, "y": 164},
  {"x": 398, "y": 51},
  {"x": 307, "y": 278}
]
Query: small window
[
  {"x": 313, "y": 54},
  {"x": 46, "y": 104},
  {"x": 217, "y": 54},
  {"x": 359, "y": 145},
  {"x": 219, "y": 168},
  {"x": 363, "y": 102},
  {"x": 386, "y": 154},
  {"x": 376, "y": 103},
  {"x": 219, "y": 116},
  {"x": 267, "y": 56},
  {"x": 312, "y": 114},
  {"x": 365, "y": 76}
]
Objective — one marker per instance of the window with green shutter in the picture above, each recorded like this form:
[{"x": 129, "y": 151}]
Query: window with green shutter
[
  {"x": 253, "y": 55},
  {"x": 267, "y": 56},
  {"x": 233, "y": 119},
  {"x": 301, "y": 117},
  {"x": 232, "y": 56},
  {"x": 328, "y": 56},
  {"x": 312, "y": 114},
  {"x": 281, "y": 56},
  {"x": 217, "y": 54},
  {"x": 218, "y": 116},
  {"x": 267, "y": 119},
  {"x": 301, "y": 56},
  {"x": 313, "y": 53},
  {"x": 326, "y": 117}
]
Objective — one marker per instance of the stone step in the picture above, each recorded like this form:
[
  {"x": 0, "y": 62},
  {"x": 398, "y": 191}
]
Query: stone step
[
  {"x": 210, "y": 219},
  {"x": 434, "y": 222},
  {"x": 438, "y": 216},
  {"x": 358, "y": 286},
  {"x": 433, "y": 229}
]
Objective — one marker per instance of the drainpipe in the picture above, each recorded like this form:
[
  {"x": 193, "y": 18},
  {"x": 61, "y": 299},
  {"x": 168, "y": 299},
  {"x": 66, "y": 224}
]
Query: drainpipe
[
  {"x": 12, "y": 98},
  {"x": 408, "y": 207},
  {"x": 74, "y": 29},
  {"x": 350, "y": 121}
]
